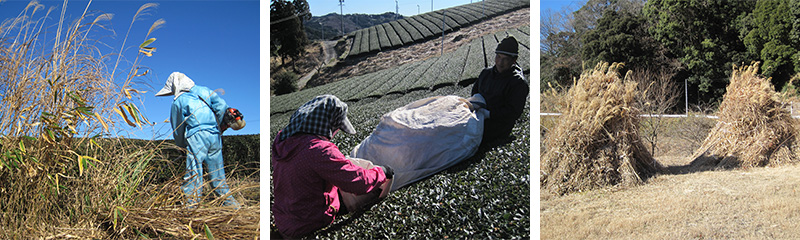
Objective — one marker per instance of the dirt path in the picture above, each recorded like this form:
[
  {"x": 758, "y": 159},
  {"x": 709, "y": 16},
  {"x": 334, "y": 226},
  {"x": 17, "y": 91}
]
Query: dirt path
[
  {"x": 301, "y": 83},
  {"x": 330, "y": 52}
]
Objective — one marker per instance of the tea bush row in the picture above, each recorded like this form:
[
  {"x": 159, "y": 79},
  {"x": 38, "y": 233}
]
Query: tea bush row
[
  {"x": 427, "y": 25},
  {"x": 458, "y": 67}
]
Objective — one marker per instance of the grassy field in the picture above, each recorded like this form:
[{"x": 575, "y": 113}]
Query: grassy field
[
  {"x": 682, "y": 203},
  {"x": 485, "y": 196}
]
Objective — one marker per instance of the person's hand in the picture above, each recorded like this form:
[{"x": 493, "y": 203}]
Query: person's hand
[
  {"x": 477, "y": 101},
  {"x": 388, "y": 172}
]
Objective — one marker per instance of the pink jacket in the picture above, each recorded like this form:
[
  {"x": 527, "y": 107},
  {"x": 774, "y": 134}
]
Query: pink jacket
[{"x": 307, "y": 171}]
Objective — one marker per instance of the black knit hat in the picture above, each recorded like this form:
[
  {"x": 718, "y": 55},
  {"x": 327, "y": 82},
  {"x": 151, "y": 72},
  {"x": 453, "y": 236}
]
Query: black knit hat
[{"x": 508, "y": 46}]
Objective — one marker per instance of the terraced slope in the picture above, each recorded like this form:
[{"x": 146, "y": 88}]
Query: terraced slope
[
  {"x": 428, "y": 25},
  {"x": 483, "y": 197},
  {"x": 461, "y": 66}
]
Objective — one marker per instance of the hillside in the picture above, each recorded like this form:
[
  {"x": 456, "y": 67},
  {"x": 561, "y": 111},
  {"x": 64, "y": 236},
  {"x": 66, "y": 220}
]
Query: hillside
[{"x": 330, "y": 26}]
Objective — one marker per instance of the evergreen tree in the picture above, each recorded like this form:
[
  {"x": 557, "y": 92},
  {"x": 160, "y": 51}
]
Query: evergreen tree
[
  {"x": 770, "y": 33},
  {"x": 703, "y": 35},
  {"x": 287, "y": 36}
]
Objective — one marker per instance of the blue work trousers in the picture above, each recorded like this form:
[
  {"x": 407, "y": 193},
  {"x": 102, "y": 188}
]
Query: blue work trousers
[{"x": 205, "y": 147}]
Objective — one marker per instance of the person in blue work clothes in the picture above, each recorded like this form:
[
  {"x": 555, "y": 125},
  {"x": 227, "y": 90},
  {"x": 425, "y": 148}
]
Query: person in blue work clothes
[{"x": 196, "y": 115}]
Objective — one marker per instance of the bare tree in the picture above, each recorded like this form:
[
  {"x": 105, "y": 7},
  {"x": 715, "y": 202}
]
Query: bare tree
[{"x": 659, "y": 94}]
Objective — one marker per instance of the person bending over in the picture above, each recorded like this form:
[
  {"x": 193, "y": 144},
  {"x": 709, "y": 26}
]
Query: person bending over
[{"x": 309, "y": 170}]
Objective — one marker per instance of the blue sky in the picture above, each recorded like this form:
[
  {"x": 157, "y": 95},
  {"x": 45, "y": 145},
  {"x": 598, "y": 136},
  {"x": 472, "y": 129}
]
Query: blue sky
[
  {"x": 558, "y": 4},
  {"x": 215, "y": 43}
]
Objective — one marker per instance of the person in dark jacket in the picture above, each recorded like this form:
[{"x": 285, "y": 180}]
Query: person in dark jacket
[{"x": 504, "y": 89}]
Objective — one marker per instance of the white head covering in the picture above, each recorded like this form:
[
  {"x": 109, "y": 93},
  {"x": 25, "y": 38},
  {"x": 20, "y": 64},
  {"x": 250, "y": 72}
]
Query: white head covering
[{"x": 177, "y": 83}]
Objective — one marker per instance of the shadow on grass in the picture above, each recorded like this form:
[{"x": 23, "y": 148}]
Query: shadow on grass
[{"x": 705, "y": 163}]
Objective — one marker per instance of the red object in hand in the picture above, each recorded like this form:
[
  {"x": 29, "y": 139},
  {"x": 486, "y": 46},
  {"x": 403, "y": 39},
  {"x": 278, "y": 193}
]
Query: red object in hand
[{"x": 233, "y": 118}]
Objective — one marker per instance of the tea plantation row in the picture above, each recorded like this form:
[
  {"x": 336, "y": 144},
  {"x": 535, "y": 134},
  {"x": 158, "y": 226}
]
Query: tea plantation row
[
  {"x": 428, "y": 25},
  {"x": 461, "y": 66}
]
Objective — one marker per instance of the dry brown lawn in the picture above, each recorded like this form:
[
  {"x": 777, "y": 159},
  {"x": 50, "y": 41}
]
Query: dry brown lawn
[{"x": 754, "y": 203}]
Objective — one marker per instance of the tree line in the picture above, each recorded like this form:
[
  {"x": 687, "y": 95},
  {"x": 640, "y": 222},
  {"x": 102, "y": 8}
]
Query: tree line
[{"x": 697, "y": 41}]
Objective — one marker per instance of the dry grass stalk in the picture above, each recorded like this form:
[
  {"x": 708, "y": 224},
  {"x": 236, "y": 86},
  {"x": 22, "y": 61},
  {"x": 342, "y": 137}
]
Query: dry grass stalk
[
  {"x": 753, "y": 130},
  {"x": 596, "y": 142},
  {"x": 59, "y": 174}
]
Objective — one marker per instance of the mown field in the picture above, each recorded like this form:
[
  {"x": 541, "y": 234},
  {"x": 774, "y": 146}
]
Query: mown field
[
  {"x": 682, "y": 203},
  {"x": 485, "y": 196}
]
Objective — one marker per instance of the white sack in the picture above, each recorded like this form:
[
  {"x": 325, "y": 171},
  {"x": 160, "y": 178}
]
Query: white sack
[{"x": 423, "y": 138}]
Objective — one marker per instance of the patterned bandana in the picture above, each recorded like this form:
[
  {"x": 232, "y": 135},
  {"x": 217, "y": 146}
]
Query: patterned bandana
[{"x": 322, "y": 116}]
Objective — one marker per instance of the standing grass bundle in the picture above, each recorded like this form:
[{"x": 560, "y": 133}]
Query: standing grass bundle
[
  {"x": 596, "y": 142},
  {"x": 754, "y": 129}
]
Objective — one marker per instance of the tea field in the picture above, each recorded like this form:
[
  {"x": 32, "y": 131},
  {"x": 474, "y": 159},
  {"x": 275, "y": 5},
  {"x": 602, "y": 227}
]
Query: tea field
[
  {"x": 423, "y": 27},
  {"x": 461, "y": 66},
  {"x": 485, "y": 196}
]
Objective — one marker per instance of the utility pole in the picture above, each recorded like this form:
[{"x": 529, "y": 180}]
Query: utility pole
[
  {"x": 442, "y": 52},
  {"x": 341, "y": 4},
  {"x": 483, "y": 2},
  {"x": 417, "y": 9},
  {"x": 396, "y": 9},
  {"x": 431, "y": 5}
]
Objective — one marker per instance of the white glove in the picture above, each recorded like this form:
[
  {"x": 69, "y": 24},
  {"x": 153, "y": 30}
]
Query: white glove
[
  {"x": 477, "y": 100},
  {"x": 238, "y": 124}
]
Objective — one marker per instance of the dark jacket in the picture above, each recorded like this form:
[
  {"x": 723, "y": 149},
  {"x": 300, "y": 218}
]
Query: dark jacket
[{"x": 505, "y": 95}]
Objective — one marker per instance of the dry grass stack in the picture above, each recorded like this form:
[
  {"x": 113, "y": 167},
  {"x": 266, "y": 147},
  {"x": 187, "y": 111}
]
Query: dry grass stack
[
  {"x": 753, "y": 130},
  {"x": 596, "y": 142}
]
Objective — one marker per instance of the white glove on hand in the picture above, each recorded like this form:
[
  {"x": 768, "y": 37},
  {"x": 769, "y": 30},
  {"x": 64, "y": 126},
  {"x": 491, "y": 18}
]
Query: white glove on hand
[{"x": 478, "y": 102}]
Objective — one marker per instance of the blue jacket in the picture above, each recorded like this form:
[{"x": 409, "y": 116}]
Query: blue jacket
[{"x": 197, "y": 110}]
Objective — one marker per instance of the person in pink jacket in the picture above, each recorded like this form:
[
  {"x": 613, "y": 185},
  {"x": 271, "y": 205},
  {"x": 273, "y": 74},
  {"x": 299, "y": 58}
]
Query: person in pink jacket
[{"x": 309, "y": 170}]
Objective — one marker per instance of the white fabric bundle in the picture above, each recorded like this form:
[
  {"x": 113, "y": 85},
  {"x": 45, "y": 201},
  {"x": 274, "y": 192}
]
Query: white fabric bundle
[{"x": 423, "y": 138}]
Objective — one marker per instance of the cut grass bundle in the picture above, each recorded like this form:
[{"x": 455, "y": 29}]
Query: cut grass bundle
[
  {"x": 753, "y": 130},
  {"x": 596, "y": 141},
  {"x": 160, "y": 214}
]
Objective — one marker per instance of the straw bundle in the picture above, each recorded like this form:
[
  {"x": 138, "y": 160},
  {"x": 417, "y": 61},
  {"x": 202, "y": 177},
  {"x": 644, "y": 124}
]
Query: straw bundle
[
  {"x": 596, "y": 141},
  {"x": 753, "y": 130},
  {"x": 159, "y": 212},
  {"x": 222, "y": 222}
]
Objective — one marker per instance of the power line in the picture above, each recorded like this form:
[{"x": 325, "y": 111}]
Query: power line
[{"x": 289, "y": 17}]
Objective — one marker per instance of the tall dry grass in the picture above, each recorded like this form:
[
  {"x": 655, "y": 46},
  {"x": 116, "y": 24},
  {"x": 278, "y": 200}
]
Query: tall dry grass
[
  {"x": 595, "y": 142},
  {"x": 64, "y": 170},
  {"x": 754, "y": 129}
]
